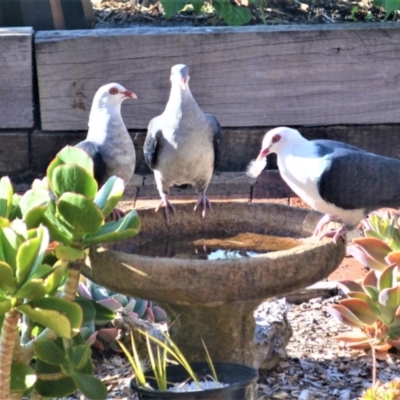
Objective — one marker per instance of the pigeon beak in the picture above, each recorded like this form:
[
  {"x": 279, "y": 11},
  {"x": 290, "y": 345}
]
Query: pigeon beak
[
  {"x": 184, "y": 84},
  {"x": 130, "y": 94},
  {"x": 263, "y": 154}
]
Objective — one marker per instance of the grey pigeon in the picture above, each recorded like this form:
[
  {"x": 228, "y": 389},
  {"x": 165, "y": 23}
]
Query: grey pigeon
[
  {"x": 342, "y": 181},
  {"x": 183, "y": 145},
  {"x": 108, "y": 142}
]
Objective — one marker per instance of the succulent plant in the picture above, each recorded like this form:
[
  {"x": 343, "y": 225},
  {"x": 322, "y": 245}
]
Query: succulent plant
[
  {"x": 381, "y": 245},
  {"x": 383, "y": 391},
  {"x": 372, "y": 308},
  {"x": 100, "y": 331}
]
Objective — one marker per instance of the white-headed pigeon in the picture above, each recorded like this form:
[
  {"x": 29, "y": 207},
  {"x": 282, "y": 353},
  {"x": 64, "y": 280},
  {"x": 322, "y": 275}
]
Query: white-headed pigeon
[
  {"x": 337, "y": 179},
  {"x": 108, "y": 142},
  {"x": 183, "y": 145}
]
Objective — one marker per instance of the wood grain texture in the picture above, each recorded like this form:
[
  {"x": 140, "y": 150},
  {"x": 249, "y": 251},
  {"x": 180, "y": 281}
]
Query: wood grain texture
[
  {"x": 249, "y": 76},
  {"x": 14, "y": 152},
  {"x": 16, "y": 83}
]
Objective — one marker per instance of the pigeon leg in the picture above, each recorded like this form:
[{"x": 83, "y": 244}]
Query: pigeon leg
[
  {"x": 205, "y": 202},
  {"x": 335, "y": 233},
  {"x": 166, "y": 204},
  {"x": 115, "y": 215}
]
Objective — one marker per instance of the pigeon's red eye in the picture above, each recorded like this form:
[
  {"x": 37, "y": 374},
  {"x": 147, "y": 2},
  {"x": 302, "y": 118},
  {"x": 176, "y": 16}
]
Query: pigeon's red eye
[
  {"x": 113, "y": 90},
  {"x": 276, "y": 138}
]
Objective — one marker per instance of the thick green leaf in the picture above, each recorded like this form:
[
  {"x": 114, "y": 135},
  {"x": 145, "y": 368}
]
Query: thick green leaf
[
  {"x": 389, "y": 300},
  {"x": 75, "y": 179},
  {"x": 125, "y": 227},
  {"x": 80, "y": 356},
  {"x": 22, "y": 378},
  {"x": 103, "y": 314},
  {"x": 370, "y": 279},
  {"x": 360, "y": 309},
  {"x": 344, "y": 315},
  {"x": 350, "y": 286},
  {"x": 70, "y": 155},
  {"x": 9, "y": 243},
  {"x": 365, "y": 297},
  {"x": 57, "y": 231},
  {"x": 70, "y": 310},
  {"x": 26, "y": 258},
  {"x": 197, "y": 5},
  {"x": 5, "y": 306},
  {"x": 32, "y": 206},
  {"x": 7, "y": 281},
  {"x": 172, "y": 7},
  {"x": 109, "y": 195},
  {"x": 49, "y": 319},
  {"x": 41, "y": 272},
  {"x": 6, "y": 196},
  {"x": 89, "y": 312},
  {"x": 370, "y": 251},
  {"x": 90, "y": 386},
  {"x": 31, "y": 290},
  {"x": 80, "y": 213},
  {"x": 391, "y": 5},
  {"x": 54, "y": 280},
  {"x": 388, "y": 277},
  {"x": 231, "y": 14},
  {"x": 48, "y": 351},
  {"x": 68, "y": 253}
]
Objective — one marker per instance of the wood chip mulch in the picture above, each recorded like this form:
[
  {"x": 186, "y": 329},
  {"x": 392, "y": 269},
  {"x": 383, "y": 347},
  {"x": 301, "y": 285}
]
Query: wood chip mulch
[{"x": 317, "y": 367}]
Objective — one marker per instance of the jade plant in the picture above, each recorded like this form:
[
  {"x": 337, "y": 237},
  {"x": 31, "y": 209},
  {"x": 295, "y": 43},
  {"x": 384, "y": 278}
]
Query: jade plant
[
  {"x": 45, "y": 236},
  {"x": 100, "y": 332}
]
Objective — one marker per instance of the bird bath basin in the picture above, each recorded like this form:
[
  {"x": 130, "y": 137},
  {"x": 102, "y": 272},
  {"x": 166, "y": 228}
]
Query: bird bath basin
[{"x": 214, "y": 300}]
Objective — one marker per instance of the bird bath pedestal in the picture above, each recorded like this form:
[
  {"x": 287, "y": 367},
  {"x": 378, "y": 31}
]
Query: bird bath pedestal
[{"x": 215, "y": 300}]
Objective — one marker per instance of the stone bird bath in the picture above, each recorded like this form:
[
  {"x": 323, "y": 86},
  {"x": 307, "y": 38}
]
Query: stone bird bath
[{"x": 215, "y": 300}]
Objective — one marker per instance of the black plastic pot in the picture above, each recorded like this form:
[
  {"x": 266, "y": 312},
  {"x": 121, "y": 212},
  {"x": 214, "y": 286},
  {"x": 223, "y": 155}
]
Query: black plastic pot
[{"x": 241, "y": 379}]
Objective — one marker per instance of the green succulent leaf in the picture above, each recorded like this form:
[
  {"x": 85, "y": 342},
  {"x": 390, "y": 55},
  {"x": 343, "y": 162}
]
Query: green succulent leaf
[
  {"x": 350, "y": 286},
  {"x": 72, "y": 311},
  {"x": 75, "y": 179},
  {"x": 23, "y": 377},
  {"x": 32, "y": 206},
  {"x": 172, "y": 7},
  {"x": 389, "y": 300},
  {"x": 103, "y": 314},
  {"x": 80, "y": 213},
  {"x": 57, "y": 231},
  {"x": 370, "y": 279},
  {"x": 5, "y": 306},
  {"x": 48, "y": 351},
  {"x": 7, "y": 281},
  {"x": 233, "y": 15},
  {"x": 9, "y": 243},
  {"x": 370, "y": 251},
  {"x": 48, "y": 318},
  {"x": 89, "y": 312},
  {"x": 360, "y": 309},
  {"x": 67, "y": 253},
  {"x": 31, "y": 290},
  {"x": 6, "y": 196},
  {"x": 344, "y": 315},
  {"x": 54, "y": 280},
  {"x": 30, "y": 254},
  {"x": 89, "y": 385},
  {"x": 59, "y": 388},
  {"x": 109, "y": 195},
  {"x": 388, "y": 277},
  {"x": 70, "y": 155},
  {"x": 197, "y": 5},
  {"x": 80, "y": 356},
  {"x": 124, "y": 228},
  {"x": 366, "y": 298}
]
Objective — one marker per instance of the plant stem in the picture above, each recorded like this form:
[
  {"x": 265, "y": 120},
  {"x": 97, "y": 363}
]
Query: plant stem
[
  {"x": 7, "y": 342},
  {"x": 72, "y": 280},
  {"x": 373, "y": 365}
]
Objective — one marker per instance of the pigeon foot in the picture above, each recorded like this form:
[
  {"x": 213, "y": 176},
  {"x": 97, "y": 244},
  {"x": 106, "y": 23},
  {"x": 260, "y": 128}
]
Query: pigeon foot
[
  {"x": 205, "y": 202},
  {"x": 334, "y": 233},
  {"x": 115, "y": 215},
  {"x": 167, "y": 206}
]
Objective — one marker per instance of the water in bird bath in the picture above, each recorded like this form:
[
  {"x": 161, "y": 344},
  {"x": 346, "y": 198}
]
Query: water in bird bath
[{"x": 213, "y": 246}]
